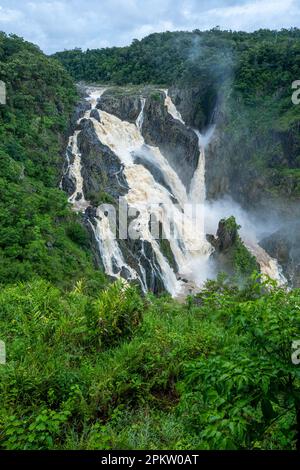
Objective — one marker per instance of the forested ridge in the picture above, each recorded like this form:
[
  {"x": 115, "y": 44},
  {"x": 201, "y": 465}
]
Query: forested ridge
[
  {"x": 163, "y": 58},
  {"x": 246, "y": 77},
  {"x": 39, "y": 235},
  {"x": 93, "y": 364}
]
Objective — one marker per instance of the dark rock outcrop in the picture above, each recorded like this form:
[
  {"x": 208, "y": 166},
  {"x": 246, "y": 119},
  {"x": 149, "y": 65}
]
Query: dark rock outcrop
[
  {"x": 196, "y": 104},
  {"x": 226, "y": 236},
  {"x": 102, "y": 170},
  {"x": 104, "y": 182},
  {"x": 230, "y": 255},
  {"x": 176, "y": 142},
  {"x": 140, "y": 255},
  {"x": 95, "y": 114},
  {"x": 67, "y": 183},
  {"x": 125, "y": 106}
]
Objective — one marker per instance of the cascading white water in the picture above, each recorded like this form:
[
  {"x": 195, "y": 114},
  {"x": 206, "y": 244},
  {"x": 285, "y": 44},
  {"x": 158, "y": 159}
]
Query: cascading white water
[
  {"x": 197, "y": 189},
  {"x": 111, "y": 254},
  {"x": 123, "y": 139},
  {"x": 77, "y": 199},
  {"x": 140, "y": 118},
  {"x": 268, "y": 265},
  {"x": 172, "y": 108},
  {"x": 74, "y": 171},
  {"x": 146, "y": 197}
]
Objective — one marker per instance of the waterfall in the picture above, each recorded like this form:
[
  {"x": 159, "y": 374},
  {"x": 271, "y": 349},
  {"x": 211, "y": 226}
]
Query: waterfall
[
  {"x": 140, "y": 118},
  {"x": 74, "y": 168},
  {"x": 111, "y": 254},
  {"x": 148, "y": 196},
  {"x": 124, "y": 139},
  {"x": 198, "y": 190},
  {"x": 167, "y": 202},
  {"x": 268, "y": 265},
  {"x": 112, "y": 258},
  {"x": 172, "y": 108}
]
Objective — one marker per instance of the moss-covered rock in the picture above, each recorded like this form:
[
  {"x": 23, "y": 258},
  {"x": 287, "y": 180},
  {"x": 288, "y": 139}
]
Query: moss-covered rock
[{"x": 231, "y": 255}]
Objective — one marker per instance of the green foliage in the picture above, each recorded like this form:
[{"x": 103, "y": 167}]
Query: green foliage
[
  {"x": 231, "y": 225},
  {"x": 238, "y": 259},
  {"x": 156, "y": 97},
  {"x": 39, "y": 235},
  {"x": 100, "y": 197},
  {"x": 119, "y": 372},
  {"x": 246, "y": 395},
  {"x": 89, "y": 368},
  {"x": 116, "y": 314},
  {"x": 244, "y": 262},
  {"x": 166, "y": 250}
]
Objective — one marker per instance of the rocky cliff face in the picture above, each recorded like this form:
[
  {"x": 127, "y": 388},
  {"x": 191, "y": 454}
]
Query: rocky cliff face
[
  {"x": 249, "y": 158},
  {"x": 178, "y": 143},
  {"x": 197, "y": 104},
  {"x": 156, "y": 125},
  {"x": 125, "y": 106},
  {"x": 102, "y": 170}
]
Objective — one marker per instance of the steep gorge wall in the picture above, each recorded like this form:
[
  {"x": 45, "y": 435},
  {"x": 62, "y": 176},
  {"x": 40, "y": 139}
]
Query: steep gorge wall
[{"x": 249, "y": 157}]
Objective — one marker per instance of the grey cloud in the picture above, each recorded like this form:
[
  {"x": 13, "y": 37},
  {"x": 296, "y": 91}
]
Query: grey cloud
[{"x": 64, "y": 24}]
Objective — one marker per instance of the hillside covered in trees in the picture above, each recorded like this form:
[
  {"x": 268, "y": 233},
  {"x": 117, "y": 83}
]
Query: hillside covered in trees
[
  {"x": 39, "y": 235},
  {"x": 241, "y": 80},
  {"x": 92, "y": 364}
]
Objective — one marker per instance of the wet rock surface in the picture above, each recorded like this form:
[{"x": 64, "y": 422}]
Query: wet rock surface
[
  {"x": 225, "y": 238},
  {"x": 102, "y": 170},
  {"x": 125, "y": 107},
  {"x": 104, "y": 182},
  {"x": 175, "y": 141},
  {"x": 196, "y": 104}
]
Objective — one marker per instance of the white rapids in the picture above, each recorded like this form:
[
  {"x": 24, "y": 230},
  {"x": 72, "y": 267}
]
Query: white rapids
[
  {"x": 172, "y": 108},
  {"x": 147, "y": 197},
  {"x": 111, "y": 254},
  {"x": 74, "y": 168},
  {"x": 268, "y": 266}
]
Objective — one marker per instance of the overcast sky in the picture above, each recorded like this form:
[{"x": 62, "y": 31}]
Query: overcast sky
[{"x": 65, "y": 24}]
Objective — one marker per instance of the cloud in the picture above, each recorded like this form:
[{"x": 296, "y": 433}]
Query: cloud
[
  {"x": 273, "y": 14},
  {"x": 64, "y": 24},
  {"x": 9, "y": 16}
]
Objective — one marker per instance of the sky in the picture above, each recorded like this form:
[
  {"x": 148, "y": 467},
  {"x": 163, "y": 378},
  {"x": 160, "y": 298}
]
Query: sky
[{"x": 65, "y": 24}]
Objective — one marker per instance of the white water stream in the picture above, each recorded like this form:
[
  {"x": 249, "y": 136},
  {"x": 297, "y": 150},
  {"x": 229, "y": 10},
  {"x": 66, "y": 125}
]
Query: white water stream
[{"x": 188, "y": 244}]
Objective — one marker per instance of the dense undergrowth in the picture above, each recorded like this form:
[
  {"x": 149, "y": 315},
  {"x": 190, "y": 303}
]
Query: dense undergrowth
[{"x": 123, "y": 372}]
